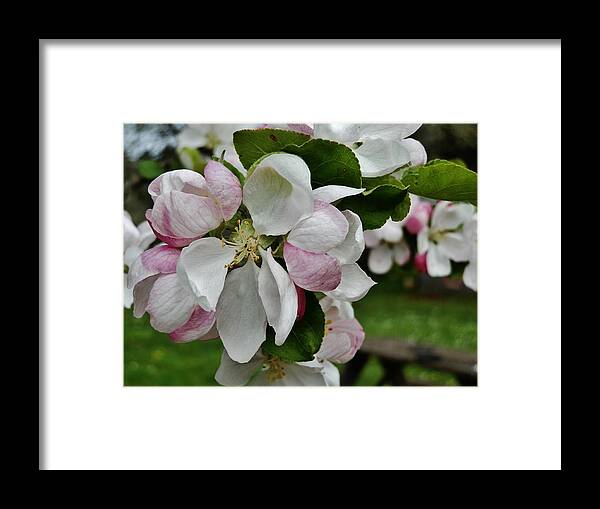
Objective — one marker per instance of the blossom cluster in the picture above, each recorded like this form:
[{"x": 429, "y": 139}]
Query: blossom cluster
[
  {"x": 444, "y": 231},
  {"x": 247, "y": 251},
  {"x": 235, "y": 259}
]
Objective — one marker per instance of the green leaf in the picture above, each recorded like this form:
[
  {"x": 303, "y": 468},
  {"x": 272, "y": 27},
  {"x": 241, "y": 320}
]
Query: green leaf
[
  {"x": 442, "y": 180},
  {"x": 149, "y": 169},
  {"x": 385, "y": 197},
  {"x": 231, "y": 168},
  {"x": 252, "y": 144},
  {"x": 402, "y": 209},
  {"x": 304, "y": 339},
  {"x": 330, "y": 163}
]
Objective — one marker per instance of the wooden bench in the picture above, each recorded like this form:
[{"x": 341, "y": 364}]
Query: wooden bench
[{"x": 395, "y": 354}]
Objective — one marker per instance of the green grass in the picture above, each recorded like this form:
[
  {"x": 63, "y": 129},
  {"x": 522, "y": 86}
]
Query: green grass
[
  {"x": 151, "y": 358},
  {"x": 450, "y": 320}
]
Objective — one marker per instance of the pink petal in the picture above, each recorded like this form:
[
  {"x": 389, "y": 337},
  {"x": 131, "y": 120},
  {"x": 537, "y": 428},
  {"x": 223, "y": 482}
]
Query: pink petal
[
  {"x": 187, "y": 181},
  {"x": 420, "y": 262},
  {"x": 301, "y": 302},
  {"x": 418, "y": 217},
  {"x": 317, "y": 272},
  {"x": 199, "y": 324},
  {"x": 178, "y": 217},
  {"x": 302, "y": 128},
  {"x": 172, "y": 241},
  {"x": 170, "y": 304},
  {"x": 323, "y": 230},
  {"x": 158, "y": 260},
  {"x": 224, "y": 187},
  {"x": 343, "y": 339}
]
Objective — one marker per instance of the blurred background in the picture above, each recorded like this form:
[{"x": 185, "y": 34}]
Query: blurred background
[{"x": 419, "y": 330}]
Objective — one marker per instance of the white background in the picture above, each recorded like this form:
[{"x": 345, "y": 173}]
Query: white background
[{"x": 511, "y": 421}]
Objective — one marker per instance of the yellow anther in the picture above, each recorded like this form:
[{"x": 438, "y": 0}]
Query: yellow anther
[{"x": 275, "y": 369}]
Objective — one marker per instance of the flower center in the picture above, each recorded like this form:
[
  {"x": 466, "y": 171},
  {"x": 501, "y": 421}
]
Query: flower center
[
  {"x": 436, "y": 235},
  {"x": 245, "y": 241},
  {"x": 275, "y": 369}
]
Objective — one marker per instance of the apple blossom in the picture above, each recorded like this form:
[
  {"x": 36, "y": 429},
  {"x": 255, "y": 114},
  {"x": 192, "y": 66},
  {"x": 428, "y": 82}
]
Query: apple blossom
[
  {"x": 188, "y": 205},
  {"x": 170, "y": 303},
  {"x": 237, "y": 275},
  {"x": 343, "y": 333},
  {"x": 264, "y": 370},
  {"x": 136, "y": 240},
  {"x": 343, "y": 336},
  {"x": 379, "y": 148},
  {"x": 387, "y": 245},
  {"x": 470, "y": 273},
  {"x": 444, "y": 240},
  {"x": 418, "y": 216}
]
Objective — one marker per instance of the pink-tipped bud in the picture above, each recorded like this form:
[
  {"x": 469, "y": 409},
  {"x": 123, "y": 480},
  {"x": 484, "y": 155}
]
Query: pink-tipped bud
[
  {"x": 420, "y": 262},
  {"x": 419, "y": 217}
]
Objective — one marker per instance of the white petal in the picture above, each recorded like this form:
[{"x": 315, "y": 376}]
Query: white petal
[
  {"x": 146, "y": 235},
  {"x": 170, "y": 304},
  {"x": 353, "y": 245},
  {"x": 329, "y": 194},
  {"x": 331, "y": 374},
  {"x": 296, "y": 375},
  {"x": 354, "y": 285},
  {"x": 470, "y": 230},
  {"x": 127, "y": 293},
  {"x": 203, "y": 266},
  {"x": 448, "y": 215},
  {"x": 372, "y": 238},
  {"x": 131, "y": 254},
  {"x": 391, "y": 231},
  {"x": 231, "y": 373},
  {"x": 416, "y": 151},
  {"x": 455, "y": 246},
  {"x": 343, "y": 133},
  {"x": 470, "y": 275},
  {"x": 278, "y": 296},
  {"x": 141, "y": 295},
  {"x": 423, "y": 240},
  {"x": 379, "y": 157},
  {"x": 278, "y": 194},
  {"x": 131, "y": 234},
  {"x": 380, "y": 259},
  {"x": 324, "y": 229},
  {"x": 186, "y": 181},
  {"x": 401, "y": 252},
  {"x": 438, "y": 264},
  {"x": 349, "y": 133},
  {"x": 241, "y": 317},
  {"x": 387, "y": 131},
  {"x": 336, "y": 309}
]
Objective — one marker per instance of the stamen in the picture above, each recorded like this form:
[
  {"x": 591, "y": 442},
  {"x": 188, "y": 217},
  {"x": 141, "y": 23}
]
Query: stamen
[
  {"x": 245, "y": 242},
  {"x": 275, "y": 369}
]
